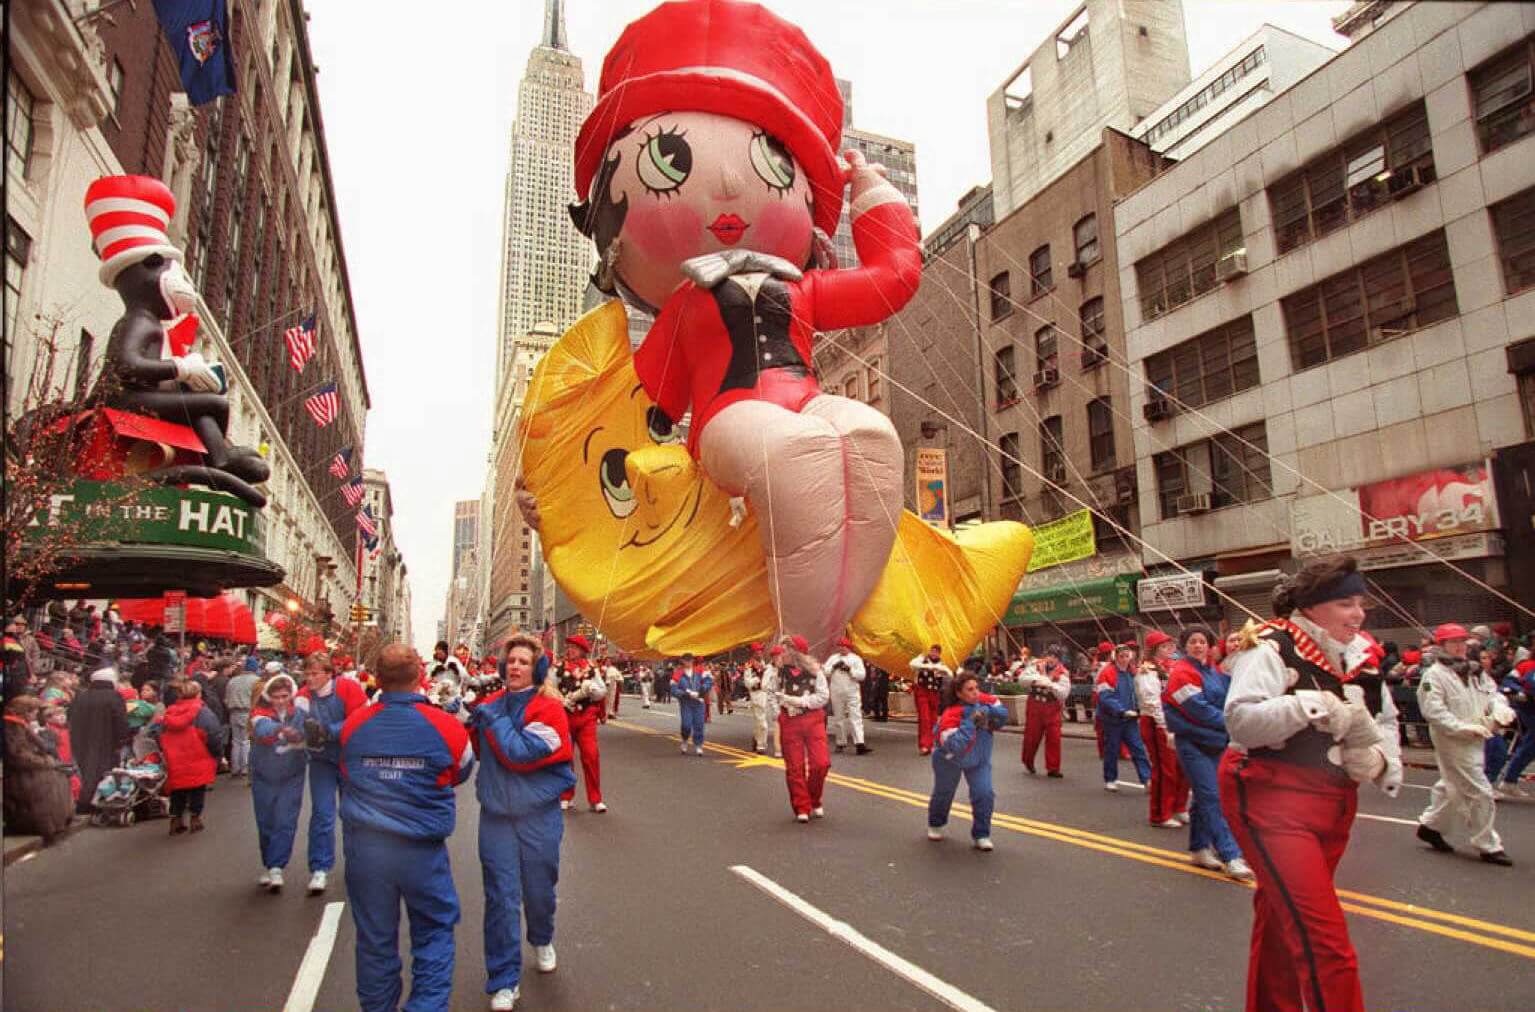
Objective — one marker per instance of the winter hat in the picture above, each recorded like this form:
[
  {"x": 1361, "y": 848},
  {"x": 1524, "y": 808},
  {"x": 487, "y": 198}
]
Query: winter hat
[
  {"x": 799, "y": 643},
  {"x": 1104, "y": 648},
  {"x": 845, "y": 643},
  {"x": 580, "y": 642},
  {"x": 1156, "y": 638},
  {"x": 1411, "y": 657},
  {"x": 1449, "y": 631},
  {"x": 756, "y": 648},
  {"x": 128, "y": 218},
  {"x": 274, "y": 667},
  {"x": 1481, "y": 632},
  {"x": 108, "y": 675},
  {"x": 777, "y": 651},
  {"x": 726, "y": 57},
  {"x": 277, "y": 680}
]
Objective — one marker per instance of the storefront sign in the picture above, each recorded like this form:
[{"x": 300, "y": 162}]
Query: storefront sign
[
  {"x": 1462, "y": 546},
  {"x": 932, "y": 476},
  {"x": 1165, "y": 593},
  {"x": 1442, "y": 503},
  {"x": 175, "y": 611},
  {"x": 1114, "y": 595},
  {"x": 1064, "y": 540},
  {"x": 90, "y": 512}
]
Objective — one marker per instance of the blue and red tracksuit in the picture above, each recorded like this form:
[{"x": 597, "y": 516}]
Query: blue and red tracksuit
[
  {"x": 1194, "y": 703},
  {"x": 693, "y": 710},
  {"x": 277, "y": 781},
  {"x": 1514, "y": 686},
  {"x": 1115, "y": 690},
  {"x": 331, "y": 710},
  {"x": 401, "y": 757},
  {"x": 523, "y": 739},
  {"x": 962, "y": 746}
]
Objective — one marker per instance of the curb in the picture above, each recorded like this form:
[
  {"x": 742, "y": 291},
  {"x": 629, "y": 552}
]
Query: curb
[{"x": 18, "y": 847}]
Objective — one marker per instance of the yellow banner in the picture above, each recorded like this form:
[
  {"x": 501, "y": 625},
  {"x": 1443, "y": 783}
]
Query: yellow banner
[
  {"x": 932, "y": 476},
  {"x": 1065, "y": 540}
]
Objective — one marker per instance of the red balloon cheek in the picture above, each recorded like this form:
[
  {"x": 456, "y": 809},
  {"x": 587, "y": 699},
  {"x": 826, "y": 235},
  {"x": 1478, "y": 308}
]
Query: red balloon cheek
[
  {"x": 667, "y": 232},
  {"x": 783, "y": 229}
]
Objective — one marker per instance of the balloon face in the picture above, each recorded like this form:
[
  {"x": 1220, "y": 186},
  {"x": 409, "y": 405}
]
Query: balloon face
[{"x": 696, "y": 183}]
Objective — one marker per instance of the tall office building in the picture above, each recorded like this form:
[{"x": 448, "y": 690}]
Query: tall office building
[
  {"x": 545, "y": 262},
  {"x": 898, "y": 157}
]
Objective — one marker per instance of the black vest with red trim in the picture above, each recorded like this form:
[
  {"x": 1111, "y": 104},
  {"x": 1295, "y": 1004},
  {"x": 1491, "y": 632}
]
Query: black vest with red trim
[
  {"x": 1299, "y": 653},
  {"x": 795, "y": 681},
  {"x": 571, "y": 679},
  {"x": 930, "y": 678}
]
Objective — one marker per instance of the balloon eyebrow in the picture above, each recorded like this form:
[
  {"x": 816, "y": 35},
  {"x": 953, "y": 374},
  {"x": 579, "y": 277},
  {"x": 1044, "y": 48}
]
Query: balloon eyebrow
[
  {"x": 588, "y": 441},
  {"x": 637, "y": 388}
]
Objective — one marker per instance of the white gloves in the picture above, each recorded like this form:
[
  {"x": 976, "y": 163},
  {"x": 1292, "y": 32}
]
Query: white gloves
[
  {"x": 692, "y": 694},
  {"x": 1132, "y": 714},
  {"x": 1475, "y": 731},
  {"x": 737, "y": 510},
  {"x": 1362, "y": 765},
  {"x": 192, "y": 371},
  {"x": 1327, "y": 712}
]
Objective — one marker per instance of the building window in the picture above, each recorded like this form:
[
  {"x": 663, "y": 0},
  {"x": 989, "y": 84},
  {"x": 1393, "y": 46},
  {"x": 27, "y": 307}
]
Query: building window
[
  {"x": 115, "y": 77},
  {"x": 1039, "y": 272},
  {"x": 18, "y": 250},
  {"x": 1095, "y": 346},
  {"x": 851, "y": 389},
  {"x": 1352, "y": 180},
  {"x": 1186, "y": 268},
  {"x": 1527, "y": 401},
  {"x": 1045, "y": 344},
  {"x": 1231, "y": 468},
  {"x": 1216, "y": 364},
  {"x": 875, "y": 381},
  {"x": 1206, "y": 96},
  {"x": 1513, "y": 221},
  {"x": 1085, "y": 232},
  {"x": 1100, "y": 433},
  {"x": 1052, "y": 450},
  {"x": 1407, "y": 288},
  {"x": 19, "y": 108},
  {"x": 1001, "y": 299},
  {"x": 1501, "y": 89},
  {"x": 1012, "y": 470},
  {"x": 1105, "y": 533},
  {"x": 1005, "y": 371}
]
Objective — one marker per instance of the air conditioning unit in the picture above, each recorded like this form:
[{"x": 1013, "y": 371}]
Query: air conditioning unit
[
  {"x": 1124, "y": 488},
  {"x": 1093, "y": 357},
  {"x": 1046, "y": 378},
  {"x": 1076, "y": 269},
  {"x": 1405, "y": 181},
  {"x": 1157, "y": 409},
  {"x": 1194, "y": 503},
  {"x": 1232, "y": 265}
]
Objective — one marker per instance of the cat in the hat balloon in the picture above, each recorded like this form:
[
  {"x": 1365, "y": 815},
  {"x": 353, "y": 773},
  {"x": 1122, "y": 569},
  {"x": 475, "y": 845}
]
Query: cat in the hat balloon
[
  {"x": 152, "y": 369},
  {"x": 709, "y": 178}
]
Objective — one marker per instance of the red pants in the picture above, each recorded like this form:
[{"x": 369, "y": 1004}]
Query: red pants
[
  {"x": 1168, "y": 791},
  {"x": 805, "y": 759},
  {"x": 1042, "y": 722},
  {"x": 1292, "y": 823},
  {"x": 927, "y": 715},
  {"x": 583, "y": 738}
]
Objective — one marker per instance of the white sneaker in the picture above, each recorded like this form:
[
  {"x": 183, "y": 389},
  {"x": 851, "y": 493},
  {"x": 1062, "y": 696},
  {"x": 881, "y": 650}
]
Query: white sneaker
[
  {"x": 934, "y": 834},
  {"x": 274, "y": 879},
  {"x": 698, "y": 750},
  {"x": 1237, "y": 869},
  {"x": 1111, "y": 787},
  {"x": 317, "y": 883},
  {"x": 802, "y": 817},
  {"x": 1205, "y": 857},
  {"x": 1182, "y": 817},
  {"x": 265, "y": 881},
  {"x": 1169, "y": 824},
  {"x": 684, "y": 748},
  {"x": 599, "y": 808},
  {"x": 818, "y": 812},
  {"x": 546, "y": 958},
  {"x": 505, "y": 999},
  {"x": 564, "y": 805},
  {"x": 983, "y": 843}
]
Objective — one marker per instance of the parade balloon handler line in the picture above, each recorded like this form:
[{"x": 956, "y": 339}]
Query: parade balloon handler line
[
  {"x": 1376, "y": 907},
  {"x": 1129, "y": 371}
]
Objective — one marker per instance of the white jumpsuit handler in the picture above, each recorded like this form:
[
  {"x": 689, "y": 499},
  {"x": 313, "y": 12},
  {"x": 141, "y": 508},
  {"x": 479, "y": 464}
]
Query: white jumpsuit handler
[
  {"x": 1463, "y": 708},
  {"x": 846, "y": 672}
]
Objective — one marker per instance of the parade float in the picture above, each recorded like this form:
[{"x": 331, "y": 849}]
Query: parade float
[{"x": 137, "y": 488}]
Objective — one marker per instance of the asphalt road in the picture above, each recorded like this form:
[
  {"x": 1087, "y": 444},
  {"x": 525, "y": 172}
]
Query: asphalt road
[{"x": 1082, "y": 905}]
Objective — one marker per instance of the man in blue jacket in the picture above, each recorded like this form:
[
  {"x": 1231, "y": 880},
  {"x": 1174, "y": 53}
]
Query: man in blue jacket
[
  {"x": 401, "y": 757},
  {"x": 327, "y": 702},
  {"x": 691, "y": 685},
  {"x": 1115, "y": 690}
]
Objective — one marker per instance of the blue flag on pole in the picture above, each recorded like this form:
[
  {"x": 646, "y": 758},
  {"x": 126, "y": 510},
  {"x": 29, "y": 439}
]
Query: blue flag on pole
[{"x": 198, "y": 31}]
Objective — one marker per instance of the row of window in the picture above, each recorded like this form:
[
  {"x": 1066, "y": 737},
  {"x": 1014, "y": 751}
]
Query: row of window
[
  {"x": 1205, "y": 96},
  {"x": 1188, "y": 267},
  {"x": 866, "y": 386},
  {"x": 1052, "y": 448},
  {"x": 1047, "y": 359},
  {"x": 1041, "y": 271}
]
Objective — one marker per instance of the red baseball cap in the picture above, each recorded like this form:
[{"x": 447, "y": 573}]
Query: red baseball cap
[
  {"x": 1156, "y": 638},
  {"x": 579, "y": 642},
  {"x": 799, "y": 643},
  {"x": 1450, "y": 631}
]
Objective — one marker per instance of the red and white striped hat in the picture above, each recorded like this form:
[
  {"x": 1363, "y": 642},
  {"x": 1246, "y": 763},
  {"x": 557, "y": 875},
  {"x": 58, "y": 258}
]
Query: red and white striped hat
[{"x": 128, "y": 216}]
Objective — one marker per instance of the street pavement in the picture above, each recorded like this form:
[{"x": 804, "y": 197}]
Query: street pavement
[{"x": 1082, "y": 905}]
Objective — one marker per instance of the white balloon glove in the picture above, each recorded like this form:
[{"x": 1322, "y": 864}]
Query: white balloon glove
[
  {"x": 192, "y": 371},
  {"x": 710, "y": 269}
]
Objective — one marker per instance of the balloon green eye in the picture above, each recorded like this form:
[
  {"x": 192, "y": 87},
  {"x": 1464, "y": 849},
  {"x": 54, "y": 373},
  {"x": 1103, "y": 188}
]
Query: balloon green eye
[
  {"x": 772, "y": 161},
  {"x": 615, "y": 483},
  {"x": 660, "y": 426},
  {"x": 664, "y": 162}
]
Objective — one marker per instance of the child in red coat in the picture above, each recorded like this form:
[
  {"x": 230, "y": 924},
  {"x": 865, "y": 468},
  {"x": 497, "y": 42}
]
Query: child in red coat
[{"x": 191, "y": 739}]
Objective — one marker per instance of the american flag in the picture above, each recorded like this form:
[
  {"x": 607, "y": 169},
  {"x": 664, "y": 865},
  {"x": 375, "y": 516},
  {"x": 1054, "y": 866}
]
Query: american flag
[
  {"x": 366, "y": 523},
  {"x": 301, "y": 343},
  {"x": 323, "y": 405},
  {"x": 352, "y": 491},
  {"x": 341, "y": 465}
]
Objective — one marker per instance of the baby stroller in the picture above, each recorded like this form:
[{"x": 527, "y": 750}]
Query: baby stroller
[{"x": 132, "y": 792}]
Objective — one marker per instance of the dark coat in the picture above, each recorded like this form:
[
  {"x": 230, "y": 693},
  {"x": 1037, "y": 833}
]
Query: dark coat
[
  {"x": 37, "y": 796},
  {"x": 98, "y": 729}
]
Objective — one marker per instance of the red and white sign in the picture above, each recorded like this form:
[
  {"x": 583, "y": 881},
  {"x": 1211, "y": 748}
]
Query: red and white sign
[
  {"x": 1442, "y": 503},
  {"x": 175, "y": 611}
]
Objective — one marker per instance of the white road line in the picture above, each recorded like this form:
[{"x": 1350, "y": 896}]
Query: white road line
[
  {"x": 1386, "y": 818},
  {"x": 841, "y": 930},
  {"x": 306, "y": 986}
]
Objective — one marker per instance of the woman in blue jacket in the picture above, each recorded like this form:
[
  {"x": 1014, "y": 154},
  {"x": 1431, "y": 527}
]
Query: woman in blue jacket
[
  {"x": 1193, "y": 703},
  {"x": 278, "y": 760},
  {"x": 962, "y": 746},
  {"x": 522, "y": 737}
]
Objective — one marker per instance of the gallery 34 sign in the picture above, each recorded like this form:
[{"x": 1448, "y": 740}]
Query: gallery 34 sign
[
  {"x": 1441, "y": 503},
  {"x": 96, "y": 512}
]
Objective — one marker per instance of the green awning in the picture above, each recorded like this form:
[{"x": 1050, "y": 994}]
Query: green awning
[{"x": 1109, "y": 595}]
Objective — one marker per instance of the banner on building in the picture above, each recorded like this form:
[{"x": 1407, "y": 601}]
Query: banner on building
[
  {"x": 1168, "y": 593},
  {"x": 1065, "y": 540},
  {"x": 1442, "y": 503},
  {"x": 932, "y": 473}
]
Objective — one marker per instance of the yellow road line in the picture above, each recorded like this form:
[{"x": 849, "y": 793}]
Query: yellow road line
[{"x": 1380, "y": 908}]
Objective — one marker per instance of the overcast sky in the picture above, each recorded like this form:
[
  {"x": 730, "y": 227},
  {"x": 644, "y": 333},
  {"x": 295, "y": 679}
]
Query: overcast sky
[{"x": 418, "y": 105}]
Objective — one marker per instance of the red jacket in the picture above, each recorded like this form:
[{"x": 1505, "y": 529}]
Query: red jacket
[{"x": 189, "y": 744}]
